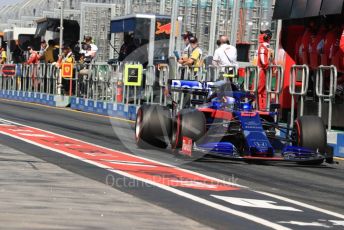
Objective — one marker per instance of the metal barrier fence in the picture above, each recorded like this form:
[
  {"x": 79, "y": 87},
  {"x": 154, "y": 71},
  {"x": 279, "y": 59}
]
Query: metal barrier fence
[
  {"x": 329, "y": 94},
  {"x": 112, "y": 83},
  {"x": 103, "y": 82},
  {"x": 39, "y": 78},
  {"x": 92, "y": 82},
  {"x": 163, "y": 83},
  {"x": 274, "y": 83},
  {"x": 251, "y": 81},
  {"x": 298, "y": 86},
  {"x": 149, "y": 86},
  {"x": 275, "y": 72}
]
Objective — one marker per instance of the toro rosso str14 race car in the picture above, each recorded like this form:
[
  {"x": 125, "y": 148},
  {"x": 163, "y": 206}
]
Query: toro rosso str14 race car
[{"x": 220, "y": 119}]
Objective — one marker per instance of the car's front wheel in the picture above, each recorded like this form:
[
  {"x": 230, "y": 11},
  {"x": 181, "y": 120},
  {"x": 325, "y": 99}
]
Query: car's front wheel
[{"x": 311, "y": 134}]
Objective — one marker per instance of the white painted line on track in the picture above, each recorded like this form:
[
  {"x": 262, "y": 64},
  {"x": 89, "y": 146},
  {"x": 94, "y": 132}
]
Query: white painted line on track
[
  {"x": 301, "y": 204},
  {"x": 128, "y": 154},
  {"x": 189, "y": 196}
]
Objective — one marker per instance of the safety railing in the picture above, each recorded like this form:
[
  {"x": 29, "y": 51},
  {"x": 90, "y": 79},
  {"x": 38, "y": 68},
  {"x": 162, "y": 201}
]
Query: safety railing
[
  {"x": 216, "y": 73},
  {"x": 38, "y": 78},
  {"x": 129, "y": 83},
  {"x": 326, "y": 92},
  {"x": 274, "y": 84},
  {"x": 250, "y": 83},
  {"x": 164, "y": 71},
  {"x": 251, "y": 80},
  {"x": 116, "y": 81},
  {"x": 183, "y": 73},
  {"x": 100, "y": 77},
  {"x": 149, "y": 86},
  {"x": 4, "y": 81},
  {"x": 298, "y": 86},
  {"x": 52, "y": 77},
  {"x": 190, "y": 73},
  {"x": 213, "y": 73},
  {"x": 26, "y": 79},
  {"x": 230, "y": 73}
]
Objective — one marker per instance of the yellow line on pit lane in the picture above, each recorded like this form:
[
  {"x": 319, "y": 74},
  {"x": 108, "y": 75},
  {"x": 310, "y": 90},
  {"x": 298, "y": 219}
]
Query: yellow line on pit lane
[{"x": 69, "y": 110}]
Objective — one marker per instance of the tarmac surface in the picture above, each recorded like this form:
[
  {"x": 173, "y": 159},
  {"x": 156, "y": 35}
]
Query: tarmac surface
[
  {"x": 35, "y": 194},
  {"x": 321, "y": 186}
]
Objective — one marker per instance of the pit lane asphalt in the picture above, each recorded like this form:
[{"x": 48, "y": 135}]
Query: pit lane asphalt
[{"x": 321, "y": 186}]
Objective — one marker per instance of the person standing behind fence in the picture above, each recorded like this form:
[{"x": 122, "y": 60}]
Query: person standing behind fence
[
  {"x": 127, "y": 48},
  {"x": 34, "y": 57},
  {"x": 186, "y": 53},
  {"x": 3, "y": 55},
  {"x": 94, "y": 48},
  {"x": 195, "y": 59},
  {"x": 225, "y": 55},
  {"x": 41, "y": 53},
  {"x": 18, "y": 54},
  {"x": 84, "y": 68},
  {"x": 264, "y": 60},
  {"x": 49, "y": 52},
  {"x": 67, "y": 57},
  {"x": 34, "y": 60}
]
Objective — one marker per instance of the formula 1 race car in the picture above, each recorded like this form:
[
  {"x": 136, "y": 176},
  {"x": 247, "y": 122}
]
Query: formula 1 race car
[{"x": 220, "y": 119}]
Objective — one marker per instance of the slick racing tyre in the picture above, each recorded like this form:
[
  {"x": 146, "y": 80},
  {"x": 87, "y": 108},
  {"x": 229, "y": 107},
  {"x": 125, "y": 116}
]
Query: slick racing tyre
[
  {"x": 311, "y": 133},
  {"x": 188, "y": 123},
  {"x": 153, "y": 126}
]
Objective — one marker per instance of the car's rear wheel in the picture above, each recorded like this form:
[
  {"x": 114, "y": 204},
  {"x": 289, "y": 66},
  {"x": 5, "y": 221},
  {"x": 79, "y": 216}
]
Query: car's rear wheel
[
  {"x": 153, "y": 126},
  {"x": 311, "y": 134},
  {"x": 188, "y": 123}
]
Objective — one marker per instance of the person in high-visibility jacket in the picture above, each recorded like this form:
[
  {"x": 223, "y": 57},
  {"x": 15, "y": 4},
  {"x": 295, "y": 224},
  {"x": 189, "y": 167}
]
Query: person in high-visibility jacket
[
  {"x": 264, "y": 60},
  {"x": 67, "y": 57},
  {"x": 3, "y": 55}
]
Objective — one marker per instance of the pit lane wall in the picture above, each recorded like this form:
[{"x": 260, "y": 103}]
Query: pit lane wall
[
  {"x": 112, "y": 90},
  {"x": 124, "y": 111}
]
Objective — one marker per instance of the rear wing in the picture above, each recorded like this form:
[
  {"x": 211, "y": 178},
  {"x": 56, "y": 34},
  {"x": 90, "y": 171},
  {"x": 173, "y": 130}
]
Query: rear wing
[{"x": 191, "y": 87}]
